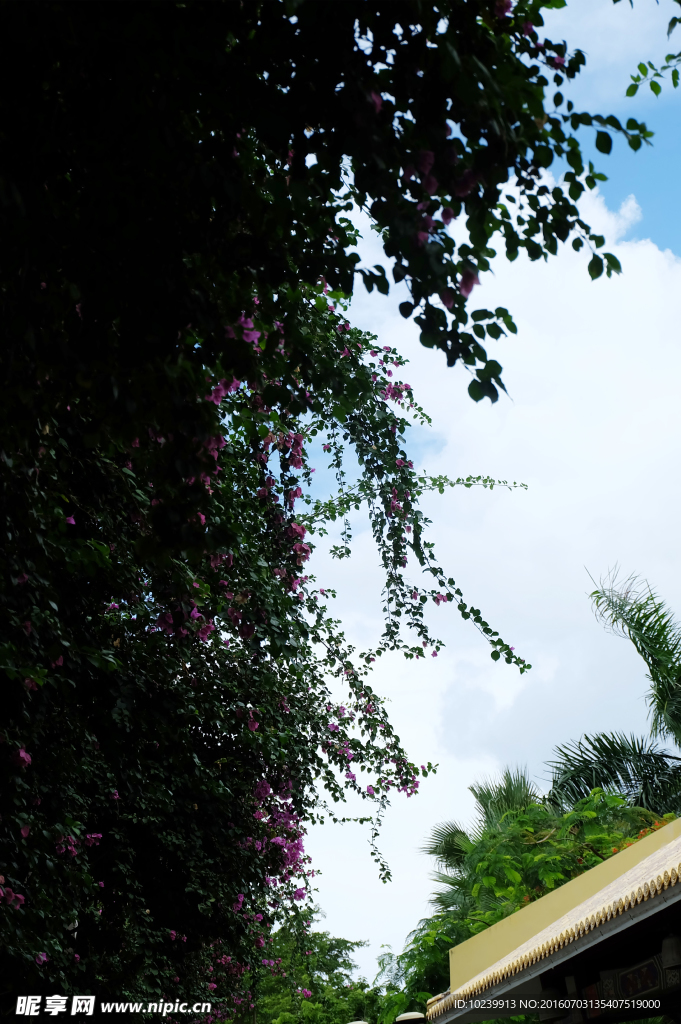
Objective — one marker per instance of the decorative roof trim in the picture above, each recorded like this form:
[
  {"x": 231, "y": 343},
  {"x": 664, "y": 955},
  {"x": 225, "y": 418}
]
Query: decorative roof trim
[{"x": 511, "y": 965}]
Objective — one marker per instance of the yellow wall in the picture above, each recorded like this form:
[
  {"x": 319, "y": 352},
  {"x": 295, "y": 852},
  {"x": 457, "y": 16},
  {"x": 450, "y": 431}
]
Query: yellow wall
[{"x": 475, "y": 955}]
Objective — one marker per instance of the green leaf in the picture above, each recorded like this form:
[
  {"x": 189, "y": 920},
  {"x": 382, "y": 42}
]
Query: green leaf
[
  {"x": 595, "y": 267},
  {"x": 613, "y": 264},
  {"x": 632, "y": 90},
  {"x": 655, "y": 87},
  {"x": 406, "y": 309},
  {"x": 603, "y": 142},
  {"x": 476, "y": 391},
  {"x": 543, "y": 156}
]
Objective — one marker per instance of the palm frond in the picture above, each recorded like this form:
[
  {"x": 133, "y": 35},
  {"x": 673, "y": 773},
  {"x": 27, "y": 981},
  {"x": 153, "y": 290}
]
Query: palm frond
[
  {"x": 646, "y": 774},
  {"x": 512, "y": 791},
  {"x": 454, "y": 895},
  {"x": 632, "y": 609},
  {"x": 449, "y": 842}
]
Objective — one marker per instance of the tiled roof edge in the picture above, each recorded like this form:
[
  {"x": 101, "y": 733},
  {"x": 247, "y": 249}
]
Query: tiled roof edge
[{"x": 618, "y": 906}]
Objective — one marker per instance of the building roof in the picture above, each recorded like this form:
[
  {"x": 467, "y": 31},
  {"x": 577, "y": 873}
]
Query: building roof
[{"x": 563, "y": 916}]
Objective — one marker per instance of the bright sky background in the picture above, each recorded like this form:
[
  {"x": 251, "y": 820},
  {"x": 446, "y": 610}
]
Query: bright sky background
[{"x": 592, "y": 425}]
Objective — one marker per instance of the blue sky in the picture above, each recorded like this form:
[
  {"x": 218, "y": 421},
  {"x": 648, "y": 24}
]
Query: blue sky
[
  {"x": 615, "y": 39},
  {"x": 592, "y": 424}
]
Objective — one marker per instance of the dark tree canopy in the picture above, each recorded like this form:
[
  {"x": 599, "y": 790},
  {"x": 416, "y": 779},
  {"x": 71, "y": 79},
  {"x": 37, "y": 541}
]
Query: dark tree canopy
[
  {"x": 175, "y": 188},
  {"x": 155, "y": 169}
]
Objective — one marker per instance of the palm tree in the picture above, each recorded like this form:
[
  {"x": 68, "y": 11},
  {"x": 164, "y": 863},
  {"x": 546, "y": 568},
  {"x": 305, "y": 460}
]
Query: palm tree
[
  {"x": 451, "y": 844},
  {"x": 638, "y": 767}
]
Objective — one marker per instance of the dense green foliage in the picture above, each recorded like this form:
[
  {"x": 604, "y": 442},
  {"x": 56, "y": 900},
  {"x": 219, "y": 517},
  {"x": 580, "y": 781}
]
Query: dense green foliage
[
  {"x": 520, "y": 847},
  {"x": 174, "y": 191},
  {"x": 311, "y": 980},
  {"x": 184, "y": 703}
]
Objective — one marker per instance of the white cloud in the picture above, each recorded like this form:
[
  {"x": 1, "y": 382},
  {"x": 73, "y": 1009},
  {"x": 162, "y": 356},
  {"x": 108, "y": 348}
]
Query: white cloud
[{"x": 613, "y": 225}]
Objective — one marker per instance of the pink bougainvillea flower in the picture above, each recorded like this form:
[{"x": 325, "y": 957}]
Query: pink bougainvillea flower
[
  {"x": 76, "y": 958},
  {"x": 376, "y": 100},
  {"x": 502, "y": 8},
  {"x": 25, "y": 829},
  {"x": 71, "y": 520},
  {"x": 425, "y": 159},
  {"x": 22, "y": 758},
  {"x": 468, "y": 281},
  {"x": 262, "y": 790},
  {"x": 430, "y": 184},
  {"x": 252, "y": 725},
  {"x": 466, "y": 183},
  {"x": 447, "y": 215},
  {"x": 30, "y": 684},
  {"x": 370, "y": 790},
  {"x": 114, "y": 795},
  {"x": 22, "y": 578},
  {"x": 41, "y": 959},
  {"x": 59, "y": 662},
  {"x": 299, "y": 894},
  {"x": 212, "y": 985},
  {"x": 559, "y": 62},
  {"x": 173, "y": 936},
  {"x": 447, "y": 296}
]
